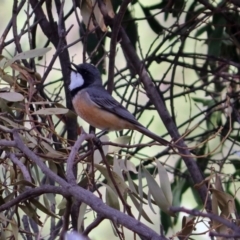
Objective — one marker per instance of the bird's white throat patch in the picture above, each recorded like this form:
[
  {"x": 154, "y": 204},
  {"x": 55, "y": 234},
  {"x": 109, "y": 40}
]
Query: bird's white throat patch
[{"x": 76, "y": 80}]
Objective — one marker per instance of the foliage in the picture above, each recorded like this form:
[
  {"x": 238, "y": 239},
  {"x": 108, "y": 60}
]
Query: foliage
[{"x": 177, "y": 61}]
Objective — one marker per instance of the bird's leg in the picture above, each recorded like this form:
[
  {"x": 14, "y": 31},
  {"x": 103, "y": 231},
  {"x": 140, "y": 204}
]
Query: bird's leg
[
  {"x": 97, "y": 142},
  {"x": 103, "y": 132}
]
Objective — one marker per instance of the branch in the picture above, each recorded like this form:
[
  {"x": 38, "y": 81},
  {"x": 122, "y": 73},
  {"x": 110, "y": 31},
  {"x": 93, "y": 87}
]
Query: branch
[
  {"x": 89, "y": 198},
  {"x": 31, "y": 193},
  {"x": 51, "y": 32},
  {"x": 114, "y": 36},
  {"x": 9, "y": 25},
  {"x": 214, "y": 217},
  {"x": 93, "y": 225},
  {"x": 157, "y": 100},
  {"x": 70, "y": 161}
]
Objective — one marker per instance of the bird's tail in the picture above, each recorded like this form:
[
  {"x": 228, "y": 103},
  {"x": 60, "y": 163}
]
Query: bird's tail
[{"x": 152, "y": 135}]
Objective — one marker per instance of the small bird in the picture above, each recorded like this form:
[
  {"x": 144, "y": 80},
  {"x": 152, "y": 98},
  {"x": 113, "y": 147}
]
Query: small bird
[{"x": 97, "y": 107}]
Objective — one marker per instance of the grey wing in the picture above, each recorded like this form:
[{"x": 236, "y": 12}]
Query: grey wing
[{"x": 104, "y": 100}]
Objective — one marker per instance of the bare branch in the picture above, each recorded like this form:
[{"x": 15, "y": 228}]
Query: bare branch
[{"x": 32, "y": 193}]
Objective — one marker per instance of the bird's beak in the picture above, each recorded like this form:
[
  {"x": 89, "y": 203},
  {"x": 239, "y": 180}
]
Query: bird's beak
[{"x": 74, "y": 65}]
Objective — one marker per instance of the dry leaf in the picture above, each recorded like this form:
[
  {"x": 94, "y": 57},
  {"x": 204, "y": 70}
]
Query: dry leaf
[
  {"x": 215, "y": 223},
  {"x": 187, "y": 227},
  {"x": 7, "y": 78},
  {"x": 86, "y": 12},
  {"x": 99, "y": 17},
  {"x": 109, "y": 7},
  {"x": 225, "y": 202},
  {"x": 218, "y": 183},
  {"x": 89, "y": 8}
]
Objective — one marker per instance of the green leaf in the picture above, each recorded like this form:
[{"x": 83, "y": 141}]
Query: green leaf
[
  {"x": 160, "y": 5},
  {"x": 157, "y": 193},
  {"x": 51, "y": 111},
  {"x": 201, "y": 30},
  {"x": 122, "y": 186},
  {"x": 111, "y": 197},
  {"x": 153, "y": 23},
  {"x": 236, "y": 163},
  {"x": 204, "y": 101},
  {"x": 191, "y": 14},
  {"x": 25, "y": 183},
  {"x": 165, "y": 183},
  {"x": 116, "y": 167},
  {"x": 178, "y": 192},
  {"x": 82, "y": 211},
  {"x": 11, "y": 96},
  {"x": 166, "y": 221},
  {"x": 46, "y": 203},
  {"x": 137, "y": 189},
  {"x": 28, "y": 54},
  {"x": 3, "y": 61},
  {"x": 150, "y": 201},
  {"x": 62, "y": 204},
  {"x": 215, "y": 39},
  {"x": 15, "y": 229},
  {"x": 140, "y": 187},
  {"x": 213, "y": 121},
  {"x": 9, "y": 197},
  {"x": 4, "y": 219},
  {"x": 28, "y": 209},
  {"x": 11, "y": 123},
  {"x": 35, "y": 174},
  {"x": 127, "y": 166},
  {"x": 131, "y": 184},
  {"x": 3, "y": 235},
  {"x": 178, "y": 7},
  {"x": 130, "y": 27},
  {"x": 7, "y": 78},
  {"x": 42, "y": 208},
  {"x": 140, "y": 209}
]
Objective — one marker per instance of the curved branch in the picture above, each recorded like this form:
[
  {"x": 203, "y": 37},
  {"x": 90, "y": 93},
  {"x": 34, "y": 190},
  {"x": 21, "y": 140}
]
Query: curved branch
[
  {"x": 158, "y": 102},
  {"x": 34, "y": 193},
  {"x": 212, "y": 216},
  {"x": 89, "y": 198},
  {"x": 114, "y": 36}
]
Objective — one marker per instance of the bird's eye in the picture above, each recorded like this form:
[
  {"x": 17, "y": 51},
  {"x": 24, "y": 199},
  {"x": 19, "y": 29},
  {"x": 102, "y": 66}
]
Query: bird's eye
[{"x": 84, "y": 72}]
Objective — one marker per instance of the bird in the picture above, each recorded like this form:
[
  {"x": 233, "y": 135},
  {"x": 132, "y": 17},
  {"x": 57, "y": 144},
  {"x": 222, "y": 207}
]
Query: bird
[{"x": 94, "y": 104}]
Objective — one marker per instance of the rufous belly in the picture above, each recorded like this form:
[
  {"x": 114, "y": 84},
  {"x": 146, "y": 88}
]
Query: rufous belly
[{"x": 96, "y": 116}]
